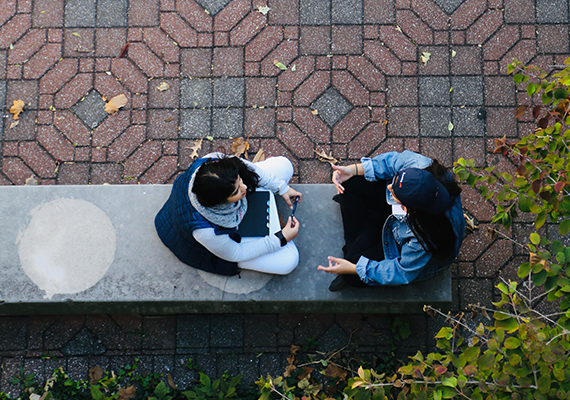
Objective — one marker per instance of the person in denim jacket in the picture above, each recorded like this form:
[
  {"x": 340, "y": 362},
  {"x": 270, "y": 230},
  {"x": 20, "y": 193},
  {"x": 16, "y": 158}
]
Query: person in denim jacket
[{"x": 403, "y": 220}]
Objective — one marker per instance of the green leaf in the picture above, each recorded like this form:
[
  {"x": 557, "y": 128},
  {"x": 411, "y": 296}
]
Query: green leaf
[
  {"x": 509, "y": 324},
  {"x": 530, "y": 89},
  {"x": 544, "y": 384},
  {"x": 450, "y": 381},
  {"x": 518, "y": 78},
  {"x": 486, "y": 361},
  {"x": 540, "y": 220},
  {"x": 280, "y": 65},
  {"x": 450, "y": 126},
  {"x": 524, "y": 270},
  {"x": 564, "y": 227},
  {"x": 560, "y": 93},
  {"x": 512, "y": 343},
  {"x": 535, "y": 238}
]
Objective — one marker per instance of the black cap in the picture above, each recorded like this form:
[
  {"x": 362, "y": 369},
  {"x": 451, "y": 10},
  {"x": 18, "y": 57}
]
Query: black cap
[{"x": 418, "y": 189}]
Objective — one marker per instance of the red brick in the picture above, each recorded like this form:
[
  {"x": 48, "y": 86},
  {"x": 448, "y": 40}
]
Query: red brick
[
  {"x": 350, "y": 125},
  {"x": 366, "y": 73},
  {"x": 126, "y": 143},
  {"x": 414, "y": 27},
  {"x": 15, "y": 170},
  {"x": 98, "y": 154},
  {"x": 228, "y": 61},
  {"x": 284, "y": 98},
  {"x": 524, "y": 51},
  {"x": 23, "y": 90},
  {"x": 73, "y": 174},
  {"x": 382, "y": 57},
  {"x": 7, "y": 10},
  {"x": 286, "y": 52},
  {"x": 108, "y": 87},
  {"x": 139, "y": 101},
  {"x": 470, "y": 148},
  {"x": 47, "y": 13},
  {"x": 110, "y": 42},
  {"x": 365, "y": 142},
  {"x": 260, "y": 92},
  {"x": 146, "y": 60},
  {"x": 402, "y": 121},
  {"x": 55, "y": 143},
  {"x": 519, "y": 11},
  {"x": 178, "y": 29},
  {"x": 350, "y": 88},
  {"x": 37, "y": 159},
  {"x": 284, "y": 114},
  {"x": 311, "y": 88},
  {"x": 141, "y": 159},
  {"x": 10, "y": 149},
  {"x": 315, "y": 40},
  {"x": 346, "y": 39},
  {"x": 260, "y": 122},
  {"x": 13, "y": 29},
  {"x": 161, "y": 45},
  {"x": 398, "y": 43},
  {"x": 439, "y": 149},
  {"x": 221, "y": 39},
  {"x": 143, "y": 13},
  {"x": 102, "y": 64},
  {"x": 467, "y": 60},
  {"x": 194, "y": 15},
  {"x": 110, "y": 129},
  {"x": 466, "y": 13},
  {"x": 263, "y": 43},
  {"x": 490, "y": 68},
  {"x": 339, "y": 62},
  {"x": 378, "y": 114},
  {"x": 501, "y": 41},
  {"x": 166, "y": 98},
  {"x": 438, "y": 63},
  {"x": 86, "y": 65},
  {"x": 323, "y": 63},
  {"x": 24, "y": 48},
  {"x": 73, "y": 90},
  {"x": 160, "y": 172},
  {"x": 3, "y": 64},
  {"x": 485, "y": 26},
  {"x": 494, "y": 258},
  {"x": 135, "y": 34},
  {"x": 72, "y": 127},
  {"x": 291, "y": 32},
  {"x": 295, "y": 140},
  {"x": 379, "y": 11},
  {"x": 252, "y": 69},
  {"x": 441, "y": 37},
  {"x": 79, "y": 42},
  {"x": 247, "y": 29},
  {"x": 45, "y": 101},
  {"x": 25, "y": 130},
  {"x": 431, "y": 14},
  {"x": 196, "y": 62},
  {"x": 289, "y": 80},
  {"x": 170, "y": 147},
  {"x": 42, "y": 61},
  {"x": 457, "y": 37},
  {"x": 45, "y": 117},
  {"x": 312, "y": 125},
  {"x": 496, "y": 4},
  {"x": 205, "y": 39},
  {"x": 409, "y": 68},
  {"x": 313, "y": 171},
  {"x": 129, "y": 75},
  {"x": 14, "y": 72},
  {"x": 284, "y": 12},
  {"x": 552, "y": 39},
  {"x": 167, "y": 5},
  {"x": 24, "y": 6},
  {"x": 402, "y": 91},
  {"x": 138, "y": 117},
  {"x": 162, "y": 124},
  {"x": 528, "y": 31},
  {"x": 227, "y": 18},
  {"x": 377, "y": 99}
]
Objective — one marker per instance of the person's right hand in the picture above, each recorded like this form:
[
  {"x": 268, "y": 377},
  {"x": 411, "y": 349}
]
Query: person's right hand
[
  {"x": 290, "y": 232},
  {"x": 340, "y": 175}
]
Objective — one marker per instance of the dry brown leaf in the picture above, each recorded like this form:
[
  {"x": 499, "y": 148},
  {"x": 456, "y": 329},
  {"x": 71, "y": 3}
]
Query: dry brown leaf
[
  {"x": 315, "y": 112},
  {"x": 195, "y": 147},
  {"x": 31, "y": 181},
  {"x": 324, "y": 157},
  {"x": 289, "y": 369},
  {"x": 306, "y": 372},
  {"x": 17, "y": 108},
  {"x": 259, "y": 156},
  {"x": 470, "y": 223},
  {"x": 14, "y": 124},
  {"x": 128, "y": 393},
  {"x": 239, "y": 146},
  {"x": 115, "y": 103},
  {"x": 333, "y": 371},
  {"x": 163, "y": 86},
  {"x": 95, "y": 374},
  {"x": 170, "y": 381}
]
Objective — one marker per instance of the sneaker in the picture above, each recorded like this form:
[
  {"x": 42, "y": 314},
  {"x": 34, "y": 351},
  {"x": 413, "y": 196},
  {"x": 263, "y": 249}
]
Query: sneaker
[{"x": 338, "y": 284}]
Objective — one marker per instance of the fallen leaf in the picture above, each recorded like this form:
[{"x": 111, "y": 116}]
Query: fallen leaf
[
  {"x": 170, "y": 381},
  {"x": 239, "y": 146},
  {"x": 398, "y": 28},
  {"x": 76, "y": 34},
  {"x": 168, "y": 119},
  {"x": 453, "y": 53},
  {"x": 17, "y": 108},
  {"x": 425, "y": 57},
  {"x": 195, "y": 147},
  {"x": 450, "y": 126},
  {"x": 124, "y": 51},
  {"x": 520, "y": 111},
  {"x": 128, "y": 393},
  {"x": 323, "y": 157},
  {"x": 263, "y": 9},
  {"x": 315, "y": 112},
  {"x": 35, "y": 396},
  {"x": 31, "y": 181},
  {"x": 333, "y": 371},
  {"x": 115, "y": 103},
  {"x": 163, "y": 86},
  {"x": 259, "y": 156},
  {"x": 210, "y": 138},
  {"x": 294, "y": 68},
  {"x": 13, "y": 124},
  {"x": 279, "y": 65},
  {"x": 470, "y": 223},
  {"x": 95, "y": 374}
]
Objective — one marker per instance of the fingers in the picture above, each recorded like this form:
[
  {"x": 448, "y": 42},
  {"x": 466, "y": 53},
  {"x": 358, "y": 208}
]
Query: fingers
[{"x": 288, "y": 200}]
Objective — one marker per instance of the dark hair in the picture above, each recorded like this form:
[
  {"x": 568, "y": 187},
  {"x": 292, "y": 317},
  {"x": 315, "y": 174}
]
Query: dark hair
[
  {"x": 434, "y": 231},
  {"x": 216, "y": 178}
]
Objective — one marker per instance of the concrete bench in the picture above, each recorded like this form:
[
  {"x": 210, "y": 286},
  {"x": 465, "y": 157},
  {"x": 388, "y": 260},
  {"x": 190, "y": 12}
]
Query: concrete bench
[{"x": 94, "y": 249}]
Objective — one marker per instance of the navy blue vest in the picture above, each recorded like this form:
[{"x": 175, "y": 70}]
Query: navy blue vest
[{"x": 176, "y": 221}]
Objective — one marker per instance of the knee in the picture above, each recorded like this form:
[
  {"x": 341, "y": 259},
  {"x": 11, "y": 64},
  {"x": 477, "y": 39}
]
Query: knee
[{"x": 288, "y": 259}]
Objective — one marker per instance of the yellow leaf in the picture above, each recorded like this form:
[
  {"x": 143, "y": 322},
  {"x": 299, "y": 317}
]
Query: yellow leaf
[
  {"x": 315, "y": 112},
  {"x": 425, "y": 57},
  {"x": 239, "y": 146},
  {"x": 259, "y": 156},
  {"x": 163, "y": 86},
  {"x": 76, "y": 34},
  {"x": 324, "y": 157},
  {"x": 115, "y": 103},
  {"x": 170, "y": 381},
  {"x": 14, "y": 124},
  {"x": 279, "y": 65},
  {"x": 17, "y": 108},
  {"x": 263, "y": 9},
  {"x": 31, "y": 181}
]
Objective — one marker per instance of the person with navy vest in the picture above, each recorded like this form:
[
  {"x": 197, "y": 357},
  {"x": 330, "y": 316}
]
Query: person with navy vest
[
  {"x": 199, "y": 221},
  {"x": 403, "y": 220}
]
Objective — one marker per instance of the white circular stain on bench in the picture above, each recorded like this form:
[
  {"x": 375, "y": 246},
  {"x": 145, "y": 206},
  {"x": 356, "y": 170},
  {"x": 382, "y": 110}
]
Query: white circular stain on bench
[
  {"x": 67, "y": 247},
  {"x": 250, "y": 281}
]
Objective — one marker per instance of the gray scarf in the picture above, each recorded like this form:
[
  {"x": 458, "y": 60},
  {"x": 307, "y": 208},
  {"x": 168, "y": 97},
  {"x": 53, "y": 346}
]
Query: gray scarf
[{"x": 227, "y": 215}]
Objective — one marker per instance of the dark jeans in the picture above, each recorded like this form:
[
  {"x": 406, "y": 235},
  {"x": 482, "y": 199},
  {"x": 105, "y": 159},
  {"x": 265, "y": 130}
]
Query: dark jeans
[{"x": 364, "y": 211}]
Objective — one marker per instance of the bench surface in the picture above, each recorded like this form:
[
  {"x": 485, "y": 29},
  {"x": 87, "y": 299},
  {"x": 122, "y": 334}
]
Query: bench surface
[{"x": 94, "y": 249}]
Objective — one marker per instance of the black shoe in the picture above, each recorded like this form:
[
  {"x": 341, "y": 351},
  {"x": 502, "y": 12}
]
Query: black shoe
[{"x": 338, "y": 284}]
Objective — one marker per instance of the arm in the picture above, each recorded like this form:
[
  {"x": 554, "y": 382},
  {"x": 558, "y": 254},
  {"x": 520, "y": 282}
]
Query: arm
[
  {"x": 385, "y": 166},
  {"x": 269, "y": 181}
]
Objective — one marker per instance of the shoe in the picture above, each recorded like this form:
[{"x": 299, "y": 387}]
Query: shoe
[{"x": 338, "y": 284}]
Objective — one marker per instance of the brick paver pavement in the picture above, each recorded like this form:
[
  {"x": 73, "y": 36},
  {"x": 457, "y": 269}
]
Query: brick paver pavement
[{"x": 356, "y": 62}]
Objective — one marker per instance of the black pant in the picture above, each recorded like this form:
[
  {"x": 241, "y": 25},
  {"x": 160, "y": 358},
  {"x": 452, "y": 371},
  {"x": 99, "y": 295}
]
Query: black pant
[{"x": 364, "y": 211}]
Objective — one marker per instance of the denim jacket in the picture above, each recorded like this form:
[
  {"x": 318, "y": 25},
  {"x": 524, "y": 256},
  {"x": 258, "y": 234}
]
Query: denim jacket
[{"x": 405, "y": 258}]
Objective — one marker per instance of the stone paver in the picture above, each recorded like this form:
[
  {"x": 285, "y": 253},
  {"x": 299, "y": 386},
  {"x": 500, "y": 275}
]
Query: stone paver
[{"x": 354, "y": 85}]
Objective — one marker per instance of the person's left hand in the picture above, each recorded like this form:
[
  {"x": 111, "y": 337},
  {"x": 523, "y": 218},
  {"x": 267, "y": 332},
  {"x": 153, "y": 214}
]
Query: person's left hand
[
  {"x": 338, "y": 266},
  {"x": 291, "y": 194}
]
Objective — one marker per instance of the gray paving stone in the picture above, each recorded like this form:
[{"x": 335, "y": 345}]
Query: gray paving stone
[
  {"x": 347, "y": 11},
  {"x": 229, "y": 92},
  {"x": 195, "y": 124},
  {"x": 226, "y": 330},
  {"x": 332, "y": 107},
  {"x": 434, "y": 121},
  {"x": 182, "y": 375},
  {"x": 333, "y": 339},
  {"x": 213, "y": 6},
  {"x": 467, "y": 90},
  {"x": 80, "y": 13},
  {"x": 91, "y": 110},
  {"x": 227, "y": 123},
  {"x": 246, "y": 365},
  {"x": 163, "y": 364},
  {"x": 315, "y": 12},
  {"x": 112, "y": 13},
  {"x": 468, "y": 122},
  {"x": 434, "y": 91},
  {"x": 2, "y": 106},
  {"x": 84, "y": 343},
  {"x": 195, "y": 93},
  {"x": 449, "y": 6},
  {"x": 551, "y": 11},
  {"x": 192, "y": 331},
  {"x": 78, "y": 367}
]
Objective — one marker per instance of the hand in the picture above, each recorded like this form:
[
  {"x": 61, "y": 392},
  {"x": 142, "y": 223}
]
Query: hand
[
  {"x": 291, "y": 229},
  {"x": 340, "y": 175},
  {"x": 338, "y": 266},
  {"x": 291, "y": 194}
]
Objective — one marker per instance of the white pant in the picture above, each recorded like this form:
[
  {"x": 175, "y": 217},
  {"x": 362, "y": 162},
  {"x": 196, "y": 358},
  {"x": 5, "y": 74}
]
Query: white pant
[{"x": 284, "y": 260}]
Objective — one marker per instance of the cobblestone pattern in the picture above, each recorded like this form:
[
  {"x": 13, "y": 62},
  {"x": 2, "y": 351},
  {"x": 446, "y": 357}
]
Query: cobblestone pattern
[{"x": 354, "y": 86}]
